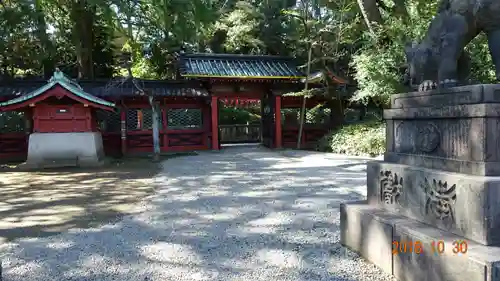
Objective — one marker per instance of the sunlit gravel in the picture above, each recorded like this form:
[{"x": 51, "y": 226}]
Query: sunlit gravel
[{"x": 240, "y": 214}]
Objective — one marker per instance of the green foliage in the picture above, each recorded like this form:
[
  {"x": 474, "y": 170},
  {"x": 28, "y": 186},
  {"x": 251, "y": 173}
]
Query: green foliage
[
  {"x": 378, "y": 63},
  {"x": 367, "y": 139},
  {"x": 42, "y": 34},
  {"x": 482, "y": 65},
  {"x": 319, "y": 114},
  {"x": 12, "y": 121},
  {"x": 376, "y": 74},
  {"x": 103, "y": 56},
  {"x": 241, "y": 26},
  {"x": 231, "y": 116}
]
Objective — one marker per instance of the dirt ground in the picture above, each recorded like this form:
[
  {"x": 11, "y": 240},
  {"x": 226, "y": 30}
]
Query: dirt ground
[{"x": 47, "y": 202}]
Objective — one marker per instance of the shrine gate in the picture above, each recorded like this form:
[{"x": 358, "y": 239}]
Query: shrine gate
[{"x": 188, "y": 106}]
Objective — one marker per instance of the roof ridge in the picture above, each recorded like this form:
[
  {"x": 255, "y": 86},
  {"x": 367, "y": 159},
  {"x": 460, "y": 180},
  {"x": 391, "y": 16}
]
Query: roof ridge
[
  {"x": 238, "y": 66},
  {"x": 235, "y": 56},
  {"x": 60, "y": 77}
]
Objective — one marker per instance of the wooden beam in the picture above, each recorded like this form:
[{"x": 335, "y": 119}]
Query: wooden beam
[
  {"x": 123, "y": 129},
  {"x": 156, "y": 127},
  {"x": 277, "y": 125},
  {"x": 215, "y": 123},
  {"x": 164, "y": 113}
]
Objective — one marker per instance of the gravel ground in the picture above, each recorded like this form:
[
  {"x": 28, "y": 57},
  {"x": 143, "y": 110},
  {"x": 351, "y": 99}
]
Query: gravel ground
[{"x": 241, "y": 214}]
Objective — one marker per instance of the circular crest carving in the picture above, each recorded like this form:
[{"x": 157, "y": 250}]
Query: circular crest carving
[{"x": 428, "y": 137}]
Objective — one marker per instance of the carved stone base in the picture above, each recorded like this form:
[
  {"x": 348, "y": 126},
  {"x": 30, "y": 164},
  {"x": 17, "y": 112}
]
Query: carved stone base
[
  {"x": 479, "y": 168},
  {"x": 374, "y": 233},
  {"x": 454, "y": 129},
  {"x": 461, "y": 204}
]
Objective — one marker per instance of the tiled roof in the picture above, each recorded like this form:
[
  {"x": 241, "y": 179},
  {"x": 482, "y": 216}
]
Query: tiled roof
[
  {"x": 157, "y": 88},
  {"x": 58, "y": 79},
  {"x": 102, "y": 89},
  {"x": 238, "y": 66},
  {"x": 16, "y": 89}
]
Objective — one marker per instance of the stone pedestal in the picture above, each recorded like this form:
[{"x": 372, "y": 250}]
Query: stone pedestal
[
  {"x": 439, "y": 183},
  {"x": 65, "y": 149}
]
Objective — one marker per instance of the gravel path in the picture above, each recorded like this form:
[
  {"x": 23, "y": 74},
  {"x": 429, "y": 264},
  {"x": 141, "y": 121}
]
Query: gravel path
[{"x": 242, "y": 214}]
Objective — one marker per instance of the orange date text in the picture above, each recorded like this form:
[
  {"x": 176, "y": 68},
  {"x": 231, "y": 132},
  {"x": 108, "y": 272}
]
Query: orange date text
[{"x": 435, "y": 247}]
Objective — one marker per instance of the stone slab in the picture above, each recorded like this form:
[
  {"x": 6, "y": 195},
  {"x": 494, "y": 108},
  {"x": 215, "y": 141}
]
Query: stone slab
[
  {"x": 444, "y": 112},
  {"x": 457, "y": 128},
  {"x": 461, "y": 204},
  {"x": 359, "y": 221},
  {"x": 455, "y": 142},
  {"x": 470, "y": 94},
  {"x": 478, "y": 168},
  {"x": 65, "y": 149},
  {"x": 367, "y": 230},
  {"x": 460, "y": 259}
]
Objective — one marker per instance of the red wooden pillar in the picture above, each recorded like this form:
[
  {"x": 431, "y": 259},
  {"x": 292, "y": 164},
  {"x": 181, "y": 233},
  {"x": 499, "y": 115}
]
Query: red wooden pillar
[
  {"x": 207, "y": 124},
  {"x": 123, "y": 130},
  {"x": 277, "y": 124},
  {"x": 215, "y": 123}
]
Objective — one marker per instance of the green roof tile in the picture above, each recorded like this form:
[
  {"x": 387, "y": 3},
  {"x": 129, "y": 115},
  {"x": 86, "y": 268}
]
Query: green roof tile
[
  {"x": 59, "y": 79},
  {"x": 101, "y": 89},
  {"x": 238, "y": 66}
]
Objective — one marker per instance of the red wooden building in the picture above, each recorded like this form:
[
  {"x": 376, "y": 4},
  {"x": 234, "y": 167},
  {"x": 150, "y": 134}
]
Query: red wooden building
[{"x": 189, "y": 107}]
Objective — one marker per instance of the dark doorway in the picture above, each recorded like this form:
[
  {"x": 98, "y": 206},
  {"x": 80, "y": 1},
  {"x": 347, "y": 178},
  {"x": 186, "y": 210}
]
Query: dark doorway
[{"x": 240, "y": 121}]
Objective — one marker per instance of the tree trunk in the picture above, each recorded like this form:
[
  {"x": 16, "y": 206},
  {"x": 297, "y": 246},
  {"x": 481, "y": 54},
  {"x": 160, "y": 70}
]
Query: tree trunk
[
  {"x": 156, "y": 129},
  {"x": 304, "y": 99},
  {"x": 370, "y": 12},
  {"x": 47, "y": 46},
  {"x": 82, "y": 16}
]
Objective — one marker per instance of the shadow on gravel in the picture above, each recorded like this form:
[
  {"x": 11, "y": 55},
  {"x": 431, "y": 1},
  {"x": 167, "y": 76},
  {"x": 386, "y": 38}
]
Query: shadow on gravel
[
  {"x": 247, "y": 215},
  {"x": 50, "y": 201}
]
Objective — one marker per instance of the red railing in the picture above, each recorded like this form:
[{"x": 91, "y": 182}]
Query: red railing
[{"x": 13, "y": 146}]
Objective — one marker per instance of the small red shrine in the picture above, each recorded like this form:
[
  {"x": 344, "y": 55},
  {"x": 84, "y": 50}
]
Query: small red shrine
[{"x": 64, "y": 126}]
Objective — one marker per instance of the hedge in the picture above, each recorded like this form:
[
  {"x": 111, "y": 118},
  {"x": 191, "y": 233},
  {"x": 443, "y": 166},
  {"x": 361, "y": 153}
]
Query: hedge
[{"x": 363, "y": 139}]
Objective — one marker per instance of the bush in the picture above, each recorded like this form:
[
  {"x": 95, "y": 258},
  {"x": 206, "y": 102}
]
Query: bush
[
  {"x": 378, "y": 65},
  {"x": 231, "y": 116},
  {"x": 363, "y": 139}
]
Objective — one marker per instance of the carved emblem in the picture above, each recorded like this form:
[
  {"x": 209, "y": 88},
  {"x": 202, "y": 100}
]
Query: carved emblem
[
  {"x": 440, "y": 201},
  {"x": 415, "y": 137},
  {"x": 428, "y": 137},
  {"x": 405, "y": 137},
  {"x": 391, "y": 187}
]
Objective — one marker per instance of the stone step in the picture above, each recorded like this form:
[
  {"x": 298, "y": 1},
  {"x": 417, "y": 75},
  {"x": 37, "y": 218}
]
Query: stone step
[
  {"x": 459, "y": 203},
  {"x": 374, "y": 233}
]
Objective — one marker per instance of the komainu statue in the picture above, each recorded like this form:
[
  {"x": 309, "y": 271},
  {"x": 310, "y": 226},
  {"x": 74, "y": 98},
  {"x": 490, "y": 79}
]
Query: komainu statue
[{"x": 440, "y": 60}]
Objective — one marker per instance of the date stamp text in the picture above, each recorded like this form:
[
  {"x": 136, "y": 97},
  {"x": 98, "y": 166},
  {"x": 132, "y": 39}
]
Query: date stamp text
[{"x": 458, "y": 247}]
